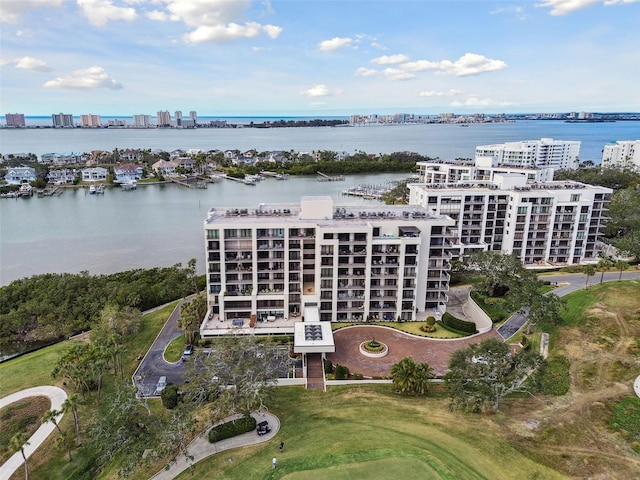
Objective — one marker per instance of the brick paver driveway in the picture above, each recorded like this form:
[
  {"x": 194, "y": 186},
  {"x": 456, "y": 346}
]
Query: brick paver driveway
[{"x": 434, "y": 352}]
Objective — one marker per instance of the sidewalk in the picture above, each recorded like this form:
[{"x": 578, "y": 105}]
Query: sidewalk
[
  {"x": 57, "y": 397},
  {"x": 200, "y": 448}
]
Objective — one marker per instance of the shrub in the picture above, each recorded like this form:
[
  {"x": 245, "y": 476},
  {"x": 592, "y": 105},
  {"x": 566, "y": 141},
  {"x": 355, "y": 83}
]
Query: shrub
[
  {"x": 342, "y": 372},
  {"x": 555, "y": 378},
  {"x": 427, "y": 328},
  {"x": 231, "y": 429},
  {"x": 458, "y": 324},
  {"x": 169, "y": 396},
  {"x": 626, "y": 419},
  {"x": 328, "y": 366},
  {"x": 358, "y": 376},
  {"x": 526, "y": 343},
  {"x": 431, "y": 320}
]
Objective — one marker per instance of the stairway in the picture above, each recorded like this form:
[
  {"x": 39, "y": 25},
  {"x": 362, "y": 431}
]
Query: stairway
[{"x": 315, "y": 371}]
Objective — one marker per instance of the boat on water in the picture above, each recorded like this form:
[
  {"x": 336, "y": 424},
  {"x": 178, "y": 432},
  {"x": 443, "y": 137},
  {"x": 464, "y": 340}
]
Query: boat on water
[
  {"x": 132, "y": 185},
  {"x": 282, "y": 176},
  {"x": 250, "y": 180},
  {"x": 26, "y": 190},
  {"x": 92, "y": 189},
  {"x": 100, "y": 189}
]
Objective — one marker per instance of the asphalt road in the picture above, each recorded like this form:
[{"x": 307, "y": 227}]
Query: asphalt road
[{"x": 153, "y": 365}]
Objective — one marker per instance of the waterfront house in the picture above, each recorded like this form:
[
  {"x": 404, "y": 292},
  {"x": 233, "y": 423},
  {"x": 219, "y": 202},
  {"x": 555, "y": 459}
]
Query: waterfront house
[
  {"x": 61, "y": 158},
  {"x": 185, "y": 162},
  {"x": 165, "y": 167},
  {"x": 127, "y": 172},
  {"x": 19, "y": 175},
  {"x": 131, "y": 155},
  {"x": 62, "y": 176},
  {"x": 94, "y": 174}
]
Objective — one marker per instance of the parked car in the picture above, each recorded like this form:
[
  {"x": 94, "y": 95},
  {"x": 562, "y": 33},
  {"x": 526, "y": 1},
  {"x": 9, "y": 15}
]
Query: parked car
[
  {"x": 263, "y": 428},
  {"x": 187, "y": 352}
]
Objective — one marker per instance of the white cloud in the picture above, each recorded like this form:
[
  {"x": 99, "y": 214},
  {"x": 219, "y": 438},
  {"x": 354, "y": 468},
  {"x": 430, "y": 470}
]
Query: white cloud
[
  {"x": 320, "y": 90},
  {"x": 198, "y": 13},
  {"x": 215, "y": 21},
  {"x": 99, "y": 12},
  {"x": 366, "y": 72},
  {"x": 272, "y": 30},
  {"x": 334, "y": 44},
  {"x": 564, "y": 7},
  {"x": 223, "y": 33},
  {"x": 434, "y": 93},
  {"x": 157, "y": 15},
  {"x": 470, "y": 64},
  {"x": 390, "y": 59},
  {"x": 88, "y": 79},
  {"x": 379, "y": 46},
  {"x": 420, "y": 65},
  {"x": 30, "y": 63},
  {"x": 479, "y": 102},
  {"x": 397, "y": 74},
  {"x": 12, "y": 10}
]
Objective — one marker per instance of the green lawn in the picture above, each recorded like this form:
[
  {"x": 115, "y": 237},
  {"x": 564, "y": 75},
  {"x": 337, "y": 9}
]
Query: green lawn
[
  {"x": 409, "y": 327},
  {"x": 341, "y": 434},
  {"x": 174, "y": 350}
]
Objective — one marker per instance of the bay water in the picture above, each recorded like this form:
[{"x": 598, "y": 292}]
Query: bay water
[{"x": 163, "y": 224}]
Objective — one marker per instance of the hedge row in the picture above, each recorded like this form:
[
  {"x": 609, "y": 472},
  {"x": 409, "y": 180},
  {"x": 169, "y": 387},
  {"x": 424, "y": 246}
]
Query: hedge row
[
  {"x": 458, "y": 324},
  {"x": 232, "y": 428}
]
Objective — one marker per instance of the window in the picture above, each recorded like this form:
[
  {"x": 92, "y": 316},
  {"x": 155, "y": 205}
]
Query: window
[
  {"x": 213, "y": 234},
  {"x": 575, "y": 197},
  {"x": 230, "y": 233},
  {"x": 522, "y": 210},
  {"x": 328, "y": 236},
  {"x": 326, "y": 272},
  {"x": 245, "y": 233}
]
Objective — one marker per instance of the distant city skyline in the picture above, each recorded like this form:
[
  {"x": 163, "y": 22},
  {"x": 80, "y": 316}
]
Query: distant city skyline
[{"x": 318, "y": 58}]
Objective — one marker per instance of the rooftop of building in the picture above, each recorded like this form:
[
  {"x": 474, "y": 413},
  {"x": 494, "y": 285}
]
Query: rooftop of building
[
  {"x": 487, "y": 185},
  {"x": 293, "y": 213}
]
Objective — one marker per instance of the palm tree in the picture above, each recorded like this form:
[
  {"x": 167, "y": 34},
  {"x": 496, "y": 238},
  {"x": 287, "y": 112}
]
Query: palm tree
[
  {"x": 51, "y": 416},
  {"x": 621, "y": 266},
  {"x": 65, "y": 442},
  {"x": 604, "y": 264},
  {"x": 589, "y": 271},
  {"x": 71, "y": 404},
  {"x": 402, "y": 374},
  {"x": 422, "y": 378},
  {"x": 18, "y": 442}
]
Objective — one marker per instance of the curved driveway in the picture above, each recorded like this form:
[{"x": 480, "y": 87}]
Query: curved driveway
[
  {"x": 57, "y": 397},
  {"x": 153, "y": 365},
  {"x": 435, "y": 352}
]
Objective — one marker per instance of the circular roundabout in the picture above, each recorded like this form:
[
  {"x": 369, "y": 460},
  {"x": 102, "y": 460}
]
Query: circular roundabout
[{"x": 373, "y": 349}]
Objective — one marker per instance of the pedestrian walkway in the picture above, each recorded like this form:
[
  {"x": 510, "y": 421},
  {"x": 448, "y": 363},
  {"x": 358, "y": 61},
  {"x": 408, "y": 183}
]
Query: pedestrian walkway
[
  {"x": 57, "y": 396},
  {"x": 315, "y": 371},
  {"x": 200, "y": 448}
]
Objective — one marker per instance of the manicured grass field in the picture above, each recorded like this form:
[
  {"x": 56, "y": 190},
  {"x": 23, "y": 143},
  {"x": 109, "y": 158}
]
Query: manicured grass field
[
  {"x": 355, "y": 432},
  {"x": 409, "y": 327},
  {"x": 174, "y": 350}
]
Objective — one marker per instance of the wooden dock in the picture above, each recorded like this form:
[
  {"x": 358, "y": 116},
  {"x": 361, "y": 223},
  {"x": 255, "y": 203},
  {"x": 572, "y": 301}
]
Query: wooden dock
[{"x": 327, "y": 178}]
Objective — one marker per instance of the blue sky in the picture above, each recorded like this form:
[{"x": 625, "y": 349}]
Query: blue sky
[{"x": 331, "y": 57}]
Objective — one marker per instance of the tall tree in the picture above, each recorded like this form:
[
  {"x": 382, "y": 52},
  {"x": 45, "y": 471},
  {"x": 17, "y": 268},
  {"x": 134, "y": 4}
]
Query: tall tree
[
  {"x": 603, "y": 266},
  {"x": 482, "y": 374},
  {"x": 502, "y": 272},
  {"x": 240, "y": 373},
  {"x": 621, "y": 266},
  {"x": 589, "y": 271},
  {"x": 52, "y": 416},
  {"x": 71, "y": 404},
  {"x": 191, "y": 315},
  {"x": 66, "y": 442},
  {"x": 18, "y": 442}
]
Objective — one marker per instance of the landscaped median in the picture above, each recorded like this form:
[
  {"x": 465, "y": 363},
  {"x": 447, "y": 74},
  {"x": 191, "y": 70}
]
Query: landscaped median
[{"x": 413, "y": 328}]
